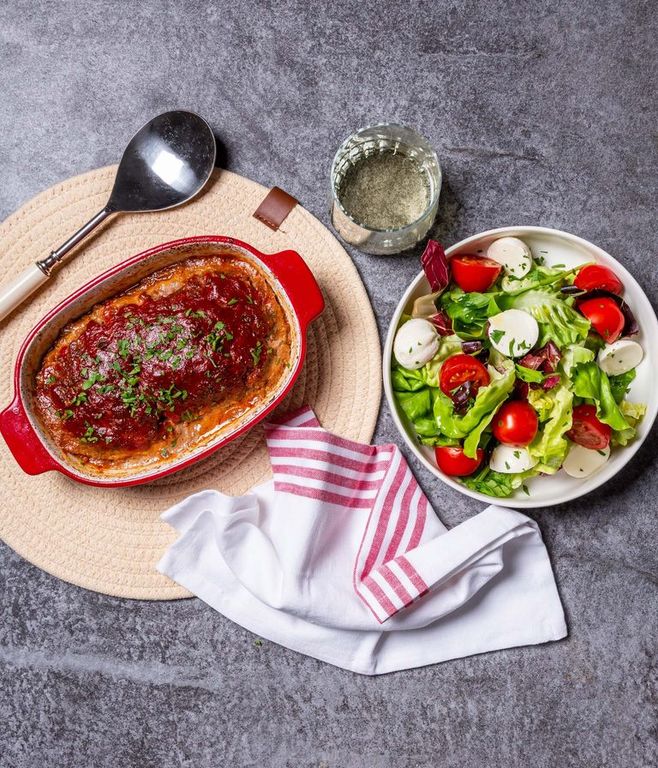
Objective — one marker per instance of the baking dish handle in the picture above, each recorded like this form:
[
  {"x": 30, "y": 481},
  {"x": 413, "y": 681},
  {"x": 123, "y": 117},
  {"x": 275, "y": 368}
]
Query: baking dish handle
[
  {"x": 298, "y": 282},
  {"x": 23, "y": 441}
]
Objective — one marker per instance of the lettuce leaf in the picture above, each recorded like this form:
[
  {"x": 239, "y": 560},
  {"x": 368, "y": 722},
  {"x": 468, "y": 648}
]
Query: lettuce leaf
[
  {"x": 633, "y": 413},
  {"x": 469, "y": 312},
  {"x": 529, "y": 375},
  {"x": 558, "y": 322},
  {"x": 497, "y": 484},
  {"x": 478, "y": 417},
  {"x": 538, "y": 277},
  {"x": 550, "y": 445},
  {"x": 619, "y": 385},
  {"x": 415, "y": 404},
  {"x": 591, "y": 383},
  {"x": 574, "y": 355},
  {"x": 416, "y": 390}
]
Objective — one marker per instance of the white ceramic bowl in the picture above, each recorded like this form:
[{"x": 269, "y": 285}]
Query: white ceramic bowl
[{"x": 556, "y": 247}]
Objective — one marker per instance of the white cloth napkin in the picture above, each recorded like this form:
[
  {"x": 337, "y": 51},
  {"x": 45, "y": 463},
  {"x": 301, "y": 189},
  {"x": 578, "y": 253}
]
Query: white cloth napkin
[{"x": 341, "y": 557}]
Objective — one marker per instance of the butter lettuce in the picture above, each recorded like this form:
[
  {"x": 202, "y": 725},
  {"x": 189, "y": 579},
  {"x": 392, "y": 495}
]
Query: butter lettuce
[
  {"x": 478, "y": 416},
  {"x": 550, "y": 446},
  {"x": 538, "y": 277},
  {"x": 619, "y": 385},
  {"x": 415, "y": 404},
  {"x": 573, "y": 355},
  {"x": 558, "y": 322},
  {"x": 633, "y": 413},
  {"x": 469, "y": 312},
  {"x": 497, "y": 484},
  {"x": 592, "y": 384}
]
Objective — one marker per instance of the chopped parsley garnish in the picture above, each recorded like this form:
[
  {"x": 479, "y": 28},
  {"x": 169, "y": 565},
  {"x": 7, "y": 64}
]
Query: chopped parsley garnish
[
  {"x": 92, "y": 378},
  {"x": 51, "y": 380},
  {"x": 231, "y": 302},
  {"x": 256, "y": 352},
  {"x": 123, "y": 348},
  {"x": 169, "y": 396},
  {"x": 497, "y": 335},
  {"x": 89, "y": 435},
  {"x": 194, "y": 313},
  {"x": 525, "y": 489},
  {"x": 218, "y": 336},
  {"x": 79, "y": 399}
]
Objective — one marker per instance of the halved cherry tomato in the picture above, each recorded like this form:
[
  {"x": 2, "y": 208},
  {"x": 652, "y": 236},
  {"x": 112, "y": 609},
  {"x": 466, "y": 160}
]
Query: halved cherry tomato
[
  {"x": 474, "y": 273},
  {"x": 587, "y": 430},
  {"x": 515, "y": 423},
  {"x": 459, "y": 369},
  {"x": 605, "y": 316},
  {"x": 596, "y": 276},
  {"x": 454, "y": 462}
]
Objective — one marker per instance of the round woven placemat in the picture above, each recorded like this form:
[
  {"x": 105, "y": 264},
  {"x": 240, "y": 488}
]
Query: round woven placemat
[{"x": 109, "y": 540}]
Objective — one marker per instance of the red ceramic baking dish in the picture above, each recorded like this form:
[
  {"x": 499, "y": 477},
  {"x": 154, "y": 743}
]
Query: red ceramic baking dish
[{"x": 290, "y": 279}]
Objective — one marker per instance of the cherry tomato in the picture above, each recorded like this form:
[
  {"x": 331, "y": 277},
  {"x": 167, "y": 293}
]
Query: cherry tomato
[
  {"x": 587, "y": 430},
  {"x": 596, "y": 276},
  {"x": 474, "y": 273},
  {"x": 605, "y": 316},
  {"x": 459, "y": 369},
  {"x": 454, "y": 462},
  {"x": 515, "y": 424}
]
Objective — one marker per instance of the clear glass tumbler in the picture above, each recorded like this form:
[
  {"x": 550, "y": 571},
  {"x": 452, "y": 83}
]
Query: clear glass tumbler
[{"x": 377, "y": 139}]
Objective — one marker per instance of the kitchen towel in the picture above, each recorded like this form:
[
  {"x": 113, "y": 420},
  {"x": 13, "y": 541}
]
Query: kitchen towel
[{"x": 341, "y": 557}]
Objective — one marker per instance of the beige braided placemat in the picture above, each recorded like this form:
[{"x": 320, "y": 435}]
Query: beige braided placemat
[{"x": 109, "y": 540}]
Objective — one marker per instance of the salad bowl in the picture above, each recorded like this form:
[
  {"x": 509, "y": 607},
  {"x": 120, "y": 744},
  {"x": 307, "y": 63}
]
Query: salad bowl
[{"x": 553, "y": 248}]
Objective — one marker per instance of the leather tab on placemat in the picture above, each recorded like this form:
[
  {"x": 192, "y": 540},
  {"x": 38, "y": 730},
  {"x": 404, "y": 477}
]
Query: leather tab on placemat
[{"x": 275, "y": 208}]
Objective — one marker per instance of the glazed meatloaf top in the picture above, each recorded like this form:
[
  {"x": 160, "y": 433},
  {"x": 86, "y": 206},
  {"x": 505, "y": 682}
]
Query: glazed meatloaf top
[{"x": 158, "y": 370}]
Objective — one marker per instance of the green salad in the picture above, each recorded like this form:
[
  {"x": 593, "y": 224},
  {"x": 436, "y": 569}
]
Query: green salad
[{"x": 511, "y": 369}]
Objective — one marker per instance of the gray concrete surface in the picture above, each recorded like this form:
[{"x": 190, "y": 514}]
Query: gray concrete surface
[{"x": 543, "y": 113}]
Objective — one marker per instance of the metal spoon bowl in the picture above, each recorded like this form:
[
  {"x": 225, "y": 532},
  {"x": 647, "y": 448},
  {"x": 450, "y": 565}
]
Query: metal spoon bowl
[{"x": 167, "y": 162}]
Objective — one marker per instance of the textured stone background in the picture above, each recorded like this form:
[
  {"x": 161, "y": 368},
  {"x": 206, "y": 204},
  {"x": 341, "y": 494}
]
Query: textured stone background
[{"x": 543, "y": 113}]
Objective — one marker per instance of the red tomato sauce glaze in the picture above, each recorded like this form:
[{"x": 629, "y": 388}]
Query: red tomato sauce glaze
[{"x": 142, "y": 369}]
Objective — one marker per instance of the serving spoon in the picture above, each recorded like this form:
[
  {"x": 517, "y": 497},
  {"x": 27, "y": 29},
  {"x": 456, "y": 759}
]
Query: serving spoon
[{"x": 167, "y": 162}]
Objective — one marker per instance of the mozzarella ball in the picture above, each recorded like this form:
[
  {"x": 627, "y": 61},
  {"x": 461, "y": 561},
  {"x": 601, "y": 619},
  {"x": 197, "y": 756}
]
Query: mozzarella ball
[
  {"x": 416, "y": 343},
  {"x": 620, "y": 357},
  {"x": 513, "y": 332},
  {"x": 513, "y": 254},
  {"x": 583, "y": 462},
  {"x": 510, "y": 460}
]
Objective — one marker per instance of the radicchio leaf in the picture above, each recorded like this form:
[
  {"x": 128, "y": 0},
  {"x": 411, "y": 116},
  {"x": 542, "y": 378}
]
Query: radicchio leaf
[
  {"x": 551, "y": 357},
  {"x": 551, "y": 381},
  {"x": 631, "y": 326},
  {"x": 544, "y": 359},
  {"x": 435, "y": 266},
  {"x": 532, "y": 360},
  {"x": 442, "y": 322}
]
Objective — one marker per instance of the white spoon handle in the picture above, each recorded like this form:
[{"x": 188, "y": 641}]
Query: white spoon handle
[
  {"x": 20, "y": 288},
  {"x": 15, "y": 293}
]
